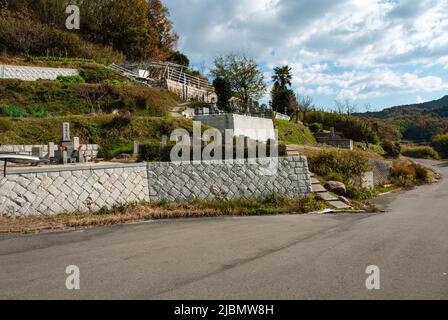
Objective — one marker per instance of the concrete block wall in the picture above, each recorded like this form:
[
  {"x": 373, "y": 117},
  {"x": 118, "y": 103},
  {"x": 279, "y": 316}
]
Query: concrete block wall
[
  {"x": 34, "y": 73},
  {"x": 382, "y": 171},
  {"x": 210, "y": 180},
  {"x": 77, "y": 189},
  {"x": 48, "y": 191},
  {"x": 248, "y": 126}
]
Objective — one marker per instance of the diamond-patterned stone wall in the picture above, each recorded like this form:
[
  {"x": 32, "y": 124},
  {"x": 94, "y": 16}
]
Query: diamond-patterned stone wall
[
  {"x": 87, "y": 189},
  {"x": 34, "y": 73},
  {"x": 228, "y": 180}
]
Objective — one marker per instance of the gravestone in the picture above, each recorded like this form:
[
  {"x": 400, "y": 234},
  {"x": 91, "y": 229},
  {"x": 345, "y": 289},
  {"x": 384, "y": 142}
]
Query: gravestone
[
  {"x": 51, "y": 150},
  {"x": 66, "y": 132},
  {"x": 76, "y": 143}
]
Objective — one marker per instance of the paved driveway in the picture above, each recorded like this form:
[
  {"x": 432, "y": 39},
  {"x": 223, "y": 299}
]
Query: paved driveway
[{"x": 280, "y": 257}]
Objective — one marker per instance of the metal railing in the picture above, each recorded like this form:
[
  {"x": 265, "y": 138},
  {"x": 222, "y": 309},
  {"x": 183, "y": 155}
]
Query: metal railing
[{"x": 164, "y": 71}]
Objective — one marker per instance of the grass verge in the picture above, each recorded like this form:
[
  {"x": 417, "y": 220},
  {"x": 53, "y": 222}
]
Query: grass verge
[{"x": 139, "y": 212}]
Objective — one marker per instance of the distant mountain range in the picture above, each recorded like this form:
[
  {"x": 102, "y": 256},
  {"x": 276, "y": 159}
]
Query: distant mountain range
[{"x": 436, "y": 108}]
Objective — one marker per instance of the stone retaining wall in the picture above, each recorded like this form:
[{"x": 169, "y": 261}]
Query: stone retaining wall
[
  {"x": 34, "y": 73},
  {"x": 382, "y": 171},
  {"x": 211, "y": 180},
  {"x": 46, "y": 191}
]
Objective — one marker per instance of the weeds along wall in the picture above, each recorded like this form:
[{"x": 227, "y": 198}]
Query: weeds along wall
[{"x": 49, "y": 191}]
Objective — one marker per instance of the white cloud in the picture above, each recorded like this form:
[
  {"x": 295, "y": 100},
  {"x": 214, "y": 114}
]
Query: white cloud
[{"x": 347, "y": 48}]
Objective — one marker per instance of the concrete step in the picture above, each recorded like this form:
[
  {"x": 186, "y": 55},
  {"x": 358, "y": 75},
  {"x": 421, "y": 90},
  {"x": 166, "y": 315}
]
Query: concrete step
[
  {"x": 315, "y": 181},
  {"x": 328, "y": 197},
  {"x": 339, "y": 205},
  {"x": 317, "y": 188}
]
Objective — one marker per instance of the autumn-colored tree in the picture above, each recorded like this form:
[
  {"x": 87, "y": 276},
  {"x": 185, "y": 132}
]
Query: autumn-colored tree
[
  {"x": 126, "y": 28},
  {"x": 140, "y": 29},
  {"x": 162, "y": 39}
]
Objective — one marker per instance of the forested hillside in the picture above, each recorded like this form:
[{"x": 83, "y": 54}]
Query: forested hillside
[
  {"x": 110, "y": 31},
  {"x": 417, "y": 122}
]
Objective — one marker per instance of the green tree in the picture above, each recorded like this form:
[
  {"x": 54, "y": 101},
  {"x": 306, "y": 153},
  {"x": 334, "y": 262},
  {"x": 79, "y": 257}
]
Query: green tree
[
  {"x": 245, "y": 78},
  {"x": 282, "y": 77},
  {"x": 223, "y": 90},
  {"x": 179, "y": 58},
  {"x": 283, "y": 100},
  {"x": 440, "y": 143}
]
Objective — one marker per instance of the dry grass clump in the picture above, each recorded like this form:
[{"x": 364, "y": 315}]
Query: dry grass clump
[{"x": 138, "y": 212}]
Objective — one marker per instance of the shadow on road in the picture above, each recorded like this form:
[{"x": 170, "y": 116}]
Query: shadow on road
[{"x": 443, "y": 164}]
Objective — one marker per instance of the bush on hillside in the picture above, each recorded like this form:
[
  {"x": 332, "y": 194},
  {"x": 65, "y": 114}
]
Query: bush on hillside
[
  {"x": 391, "y": 149},
  {"x": 11, "y": 110},
  {"x": 408, "y": 174},
  {"x": 315, "y": 128},
  {"x": 421, "y": 153},
  {"x": 59, "y": 99},
  {"x": 351, "y": 127},
  {"x": 346, "y": 165},
  {"x": 156, "y": 152},
  {"x": 22, "y": 34},
  {"x": 70, "y": 79},
  {"x": 440, "y": 143}
]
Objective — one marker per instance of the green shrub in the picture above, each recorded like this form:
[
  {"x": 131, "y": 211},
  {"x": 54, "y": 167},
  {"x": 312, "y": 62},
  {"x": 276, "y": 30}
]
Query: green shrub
[
  {"x": 5, "y": 125},
  {"x": 315, "y": 128},
  {"x": 70, "y": 79},
  {"x": 155, "y": 152},
  {"x": 276, "y": 199},
  {"x": 11, "y": 110},
  {"x": 440, "y": 143},
  {"x": 348, "y": 166},
  {"x": 37, "y": 112},
  {"x": 421, "y": 153},
  {"x": 392, "y": 149},
  {"x": 95, "y": 74},
  {"x": 360, "y": 193},
  {"x": 351, "y": 127},
  {"x": 308, "y": 204}
]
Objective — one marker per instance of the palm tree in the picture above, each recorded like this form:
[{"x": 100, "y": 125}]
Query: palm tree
[{"x": 282, "y": 77}]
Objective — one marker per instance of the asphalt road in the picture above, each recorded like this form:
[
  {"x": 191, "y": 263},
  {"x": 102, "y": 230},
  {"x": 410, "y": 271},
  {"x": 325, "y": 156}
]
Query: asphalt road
[{"x": 281, "y": 257}]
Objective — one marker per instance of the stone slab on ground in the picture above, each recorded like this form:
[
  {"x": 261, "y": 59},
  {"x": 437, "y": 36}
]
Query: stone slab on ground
[
  {"x": 317, "y": 188},
  {"x": 315, "y": 181},
  {"x": 328, "y": 197},
  {"x": 339, "y": 205}
]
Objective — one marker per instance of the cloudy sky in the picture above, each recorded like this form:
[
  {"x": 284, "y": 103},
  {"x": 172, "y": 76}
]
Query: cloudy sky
[{"x": 382, "y": 52}]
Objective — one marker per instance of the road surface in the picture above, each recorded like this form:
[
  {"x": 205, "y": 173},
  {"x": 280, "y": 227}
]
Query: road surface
[{"x": 280, "y": 257}]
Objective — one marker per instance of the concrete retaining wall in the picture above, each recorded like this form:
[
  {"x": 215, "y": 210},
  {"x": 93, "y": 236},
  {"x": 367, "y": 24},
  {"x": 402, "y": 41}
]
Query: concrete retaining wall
[
  {"x": 190, "y": 93},
  {"x": 261, "y": 129},
  {"x": 46, "y": 191},
  {"x": 337, "y": 143},
  {"x": 34, "y": 73},
  {"x": 382, "y": 171}
]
